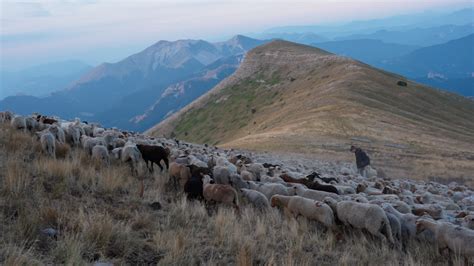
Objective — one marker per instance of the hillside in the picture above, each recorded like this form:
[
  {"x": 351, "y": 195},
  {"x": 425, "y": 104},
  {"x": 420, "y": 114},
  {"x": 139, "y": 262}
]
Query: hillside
[{"x": 293, "y": 98}]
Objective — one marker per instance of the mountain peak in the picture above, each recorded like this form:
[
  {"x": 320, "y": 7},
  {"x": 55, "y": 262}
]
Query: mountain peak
[{"x": 286, "y": 46}]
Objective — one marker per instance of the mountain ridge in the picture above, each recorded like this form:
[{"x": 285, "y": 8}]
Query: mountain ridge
[
  {"x": 111, "y": 88},
  {"x": 296, "y": 98}
]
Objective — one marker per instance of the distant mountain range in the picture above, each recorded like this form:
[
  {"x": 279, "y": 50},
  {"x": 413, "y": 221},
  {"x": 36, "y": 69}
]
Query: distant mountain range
[
  {"x": 41, "y": 80},
  {"x": 122, "y": 93},
  {"x": 147, "y": 87},
  {"x": 449, "y": 66},
  {"x": 454, "y": 59},
  {"x": 287, "y": 97},
  {"x": 418, "y": 36},
  {"x": 373, "y": 52},
  {"x": 396, "y": 23}
]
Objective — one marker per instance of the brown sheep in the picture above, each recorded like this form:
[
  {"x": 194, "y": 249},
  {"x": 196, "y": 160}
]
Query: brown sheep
[
  {"x": 219, "y": 193},
  {"x": 288, "y": 179},
  {"x": 179, "y": 174},
  {"x": 46, "y": 120}
]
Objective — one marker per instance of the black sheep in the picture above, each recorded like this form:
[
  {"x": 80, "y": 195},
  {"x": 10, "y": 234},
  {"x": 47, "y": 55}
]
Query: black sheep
[
  {"x": 193, "y": 188},
  {"x": 328, "y": 188},
  {"x": 313, "y": 175},
  {"x": 154, "y": 154},
  {"x": 197, "y": 170}
]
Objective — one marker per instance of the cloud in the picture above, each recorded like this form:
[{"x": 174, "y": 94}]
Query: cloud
[
  {"x": 50, "y": 27},
  {"x": 24, "y": 10}
]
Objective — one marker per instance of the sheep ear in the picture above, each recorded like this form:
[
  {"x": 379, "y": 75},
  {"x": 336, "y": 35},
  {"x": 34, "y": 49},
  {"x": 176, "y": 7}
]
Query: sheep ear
[{"x": 318, "y": 204}]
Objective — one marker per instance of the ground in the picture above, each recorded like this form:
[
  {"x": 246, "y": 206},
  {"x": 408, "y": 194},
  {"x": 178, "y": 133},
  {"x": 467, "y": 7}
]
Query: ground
[{"x": 99, "y": 217}]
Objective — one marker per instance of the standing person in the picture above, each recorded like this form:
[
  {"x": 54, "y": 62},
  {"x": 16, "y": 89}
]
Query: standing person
[{"x": 362, "y": 160}]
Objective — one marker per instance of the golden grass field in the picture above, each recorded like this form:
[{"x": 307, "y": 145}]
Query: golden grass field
[{"x": 101, "y": 218}]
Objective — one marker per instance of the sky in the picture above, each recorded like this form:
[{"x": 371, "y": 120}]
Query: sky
[{"x": 95, "y": 31}]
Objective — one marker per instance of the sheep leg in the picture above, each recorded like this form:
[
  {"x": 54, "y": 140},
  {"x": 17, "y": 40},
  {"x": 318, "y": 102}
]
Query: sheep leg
[
  {"x": 142, "y": 188},
  {"x": 381, "y": 236}
]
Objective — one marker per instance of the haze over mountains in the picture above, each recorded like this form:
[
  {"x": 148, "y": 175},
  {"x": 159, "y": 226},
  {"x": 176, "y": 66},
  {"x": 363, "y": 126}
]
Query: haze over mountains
[
  {"x": 41, "y": 80},
  {"x": 122, "y": 94},
  {"x": 145, "y": 88},
  {"x": 287, "y": 97}
]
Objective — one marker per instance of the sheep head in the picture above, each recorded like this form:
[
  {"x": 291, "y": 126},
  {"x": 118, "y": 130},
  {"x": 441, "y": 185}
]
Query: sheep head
[
  {"x": 360, "y": 188},
  {"x": 275, "y": 202}
]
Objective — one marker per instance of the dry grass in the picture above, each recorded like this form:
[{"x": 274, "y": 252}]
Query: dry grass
[{"x": 100, "y": 217}]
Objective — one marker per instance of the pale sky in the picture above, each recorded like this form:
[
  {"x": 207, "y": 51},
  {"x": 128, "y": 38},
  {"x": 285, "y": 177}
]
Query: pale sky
[{"x": 105, "y": 30}]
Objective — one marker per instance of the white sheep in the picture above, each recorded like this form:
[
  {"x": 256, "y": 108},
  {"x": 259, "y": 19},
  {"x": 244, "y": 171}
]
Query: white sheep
[
  {"x": 458, "y": 239},
  {"x": 271, "y": 179},
  {"x": 255, "y": 169},
  {"x": 368, "y": 190},
  {"x": 468, "y": 221},
  {"x": 221, "y": 174},
  {"x": 18, "y": 122},
  {"x": 48, "y": 143},
  {"x": 6, "y": 117},
  {"x": 401, "y": 206},
  {"x": 363, "y": 216},
  {"x": 256, "y": 198},
  {"x": 314, "y": 194},
  {"x": 311, "y": 209},
  {"x": 408, "y": 222},
  {"x": 270, "y": 189},
  {"x": 132, "y": 155},
  {"x": 237, "y": 182},
  {"x": 246, "y": 175},
  {"x": 73, "y": 134},
  {"x": 31, "y": 123},
  {"x": 101, "y": 154},
  {"x": 59, "y": 134},
  {"x": 345, "y": 189},
  {"x": 221, "y": 161},
  {"x": 117, "y": 153},
  {"x": 396, "y": 227},
  {"x": 90, "y": 142},
  {"x": 97, "y": 131}
]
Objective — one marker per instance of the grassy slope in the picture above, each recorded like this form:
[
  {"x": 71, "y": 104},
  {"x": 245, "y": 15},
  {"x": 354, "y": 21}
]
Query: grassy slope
[
  {"x": 289, "y": 97},
  {"x": 101, "y": 218}
]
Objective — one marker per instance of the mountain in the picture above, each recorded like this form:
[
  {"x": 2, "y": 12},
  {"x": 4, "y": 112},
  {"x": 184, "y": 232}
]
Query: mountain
[
  {"x": 137, "y": 112},
  {"x": 395, "y": 23},
  {"x": 41, "y": 80},
  {"x": 373, "y": 52},
  {"x": 115, "y": 93},
  {"x": 451, "y": 59},
  {"x": 417, "y": 36},
  {"x": 288, "y": 98},
  {"x": 304, "y": 38},
  {"x": 462, "y": 86},
  {"x": 440, "y": 64}
]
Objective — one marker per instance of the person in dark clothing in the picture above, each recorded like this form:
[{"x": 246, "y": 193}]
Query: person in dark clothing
[{"x": 362, "y": 160}]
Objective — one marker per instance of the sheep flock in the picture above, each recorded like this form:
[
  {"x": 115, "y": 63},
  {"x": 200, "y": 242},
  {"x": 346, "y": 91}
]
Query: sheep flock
[{"x": 392, "y": 212}]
